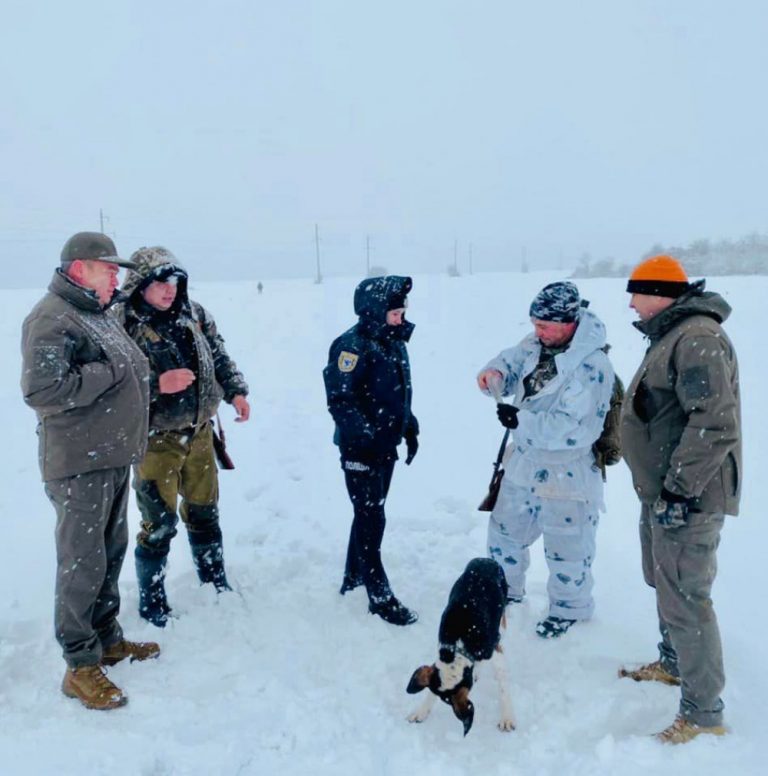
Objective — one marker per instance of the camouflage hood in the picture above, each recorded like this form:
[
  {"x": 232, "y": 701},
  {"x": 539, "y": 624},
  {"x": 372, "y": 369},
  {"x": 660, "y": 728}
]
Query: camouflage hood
[{"x": 152, "y": 264}]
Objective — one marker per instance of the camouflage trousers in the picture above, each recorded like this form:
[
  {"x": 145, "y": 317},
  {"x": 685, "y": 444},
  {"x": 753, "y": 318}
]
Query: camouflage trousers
[
  {"x": 178, "y": 465},
  {"x": 569, "y": 529}
]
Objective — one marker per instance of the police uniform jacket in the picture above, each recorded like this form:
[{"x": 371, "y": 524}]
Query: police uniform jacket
[{"x": 368, "y": 377}]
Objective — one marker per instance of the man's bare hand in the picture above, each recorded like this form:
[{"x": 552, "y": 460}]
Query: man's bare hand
[
  {"x": 175, "y": 380},
  {"x": 242, "y": 408},
  {"x": 491, "y": 381}
]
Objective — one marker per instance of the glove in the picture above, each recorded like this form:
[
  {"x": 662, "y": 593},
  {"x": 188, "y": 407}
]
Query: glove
[
  {"x": 507, "y": 414},
  {"x": 671, "y": 510},
  {"x": 411, "y": 445}
]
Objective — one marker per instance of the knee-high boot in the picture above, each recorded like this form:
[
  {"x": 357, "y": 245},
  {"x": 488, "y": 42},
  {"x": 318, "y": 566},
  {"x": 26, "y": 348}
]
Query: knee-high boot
[
  {"x": 209, "y": 562},
  {"x": 150, "y": 573}
]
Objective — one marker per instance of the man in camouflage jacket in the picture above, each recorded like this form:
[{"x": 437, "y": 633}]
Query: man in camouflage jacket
[
  {"x": 561, "y": 380},
  {"x": 681, "y": 434},
  {"x": 190, "y": 372}
]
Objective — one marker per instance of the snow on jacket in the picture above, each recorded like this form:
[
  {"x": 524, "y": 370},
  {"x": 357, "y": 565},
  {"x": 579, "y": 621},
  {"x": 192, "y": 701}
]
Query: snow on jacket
[
  {"x": 551, "y": 452},
  {"x": 681, "y": 417},
  {"x": 169, "y": 338},
  {"x": 87, "y": 382},
  {"x": 368, "y": 375}
]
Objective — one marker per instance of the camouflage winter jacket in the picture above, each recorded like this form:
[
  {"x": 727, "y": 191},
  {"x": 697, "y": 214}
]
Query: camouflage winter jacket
[
  {"x": 551, "y": 454},
  {"x": 681, "y": 417},
  {"x": 87, "y": 382},
  {"x": 183, "y": 337}
]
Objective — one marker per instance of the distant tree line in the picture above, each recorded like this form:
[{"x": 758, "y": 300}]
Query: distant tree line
[{"x": 747, "y": 256}]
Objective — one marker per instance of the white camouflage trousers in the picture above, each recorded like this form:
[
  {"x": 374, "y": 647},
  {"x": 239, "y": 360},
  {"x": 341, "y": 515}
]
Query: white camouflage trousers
[{"x": 569, "y": 529}]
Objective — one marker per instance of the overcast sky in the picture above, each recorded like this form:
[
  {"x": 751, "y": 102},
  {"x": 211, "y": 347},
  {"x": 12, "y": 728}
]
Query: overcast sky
[{"x": 227, "y": 130}]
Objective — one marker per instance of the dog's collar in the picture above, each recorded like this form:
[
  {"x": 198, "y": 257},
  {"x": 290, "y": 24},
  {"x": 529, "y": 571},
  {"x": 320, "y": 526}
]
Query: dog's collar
[{"x": 458, "y": 649}]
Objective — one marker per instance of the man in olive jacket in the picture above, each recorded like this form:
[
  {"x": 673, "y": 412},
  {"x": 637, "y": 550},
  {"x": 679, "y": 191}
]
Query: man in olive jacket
[
  {"x": 88, "y": 384},
  {"x": 681, "y": 435},
  {"x": 190, "y": 373}
]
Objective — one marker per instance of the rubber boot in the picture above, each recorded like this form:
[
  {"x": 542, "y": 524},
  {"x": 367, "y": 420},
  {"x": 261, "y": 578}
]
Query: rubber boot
[
  {"x": 150, "y": 574},
  {"x": 209, "y": 562}
]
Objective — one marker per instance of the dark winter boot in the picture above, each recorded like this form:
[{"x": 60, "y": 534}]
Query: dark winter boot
[
  {"x": 553, "y": 627},
  {"x": 209, "y": 562},
  {"x": 392, "y": 611},
  {"x": 150, "y": 574}
]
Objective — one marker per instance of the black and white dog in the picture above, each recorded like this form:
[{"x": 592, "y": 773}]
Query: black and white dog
[{"x": 470, "y": 632}]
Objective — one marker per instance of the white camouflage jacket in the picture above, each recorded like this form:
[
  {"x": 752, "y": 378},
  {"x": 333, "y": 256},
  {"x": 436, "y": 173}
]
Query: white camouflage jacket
[{"x": 551, "y": 449}]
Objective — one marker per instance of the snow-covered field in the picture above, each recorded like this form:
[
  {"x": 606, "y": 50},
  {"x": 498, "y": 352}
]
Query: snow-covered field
[{"x": 285, "y": 676}]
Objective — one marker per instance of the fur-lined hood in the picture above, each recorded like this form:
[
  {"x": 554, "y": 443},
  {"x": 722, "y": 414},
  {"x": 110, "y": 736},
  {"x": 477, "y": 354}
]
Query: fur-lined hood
[{"x": 156, "y": 263}]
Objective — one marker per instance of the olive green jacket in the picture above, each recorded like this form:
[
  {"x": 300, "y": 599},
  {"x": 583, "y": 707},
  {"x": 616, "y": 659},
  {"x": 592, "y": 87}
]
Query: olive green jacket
[
  {"x": 87, "y": 382},
  {"x": 681, "y": 417}
]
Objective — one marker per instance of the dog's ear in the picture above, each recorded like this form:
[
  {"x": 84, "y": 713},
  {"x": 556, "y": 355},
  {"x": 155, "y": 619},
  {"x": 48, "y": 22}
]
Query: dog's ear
[
  {"x": 420, "y": 679},
  {"x": 463, "y": 708}
]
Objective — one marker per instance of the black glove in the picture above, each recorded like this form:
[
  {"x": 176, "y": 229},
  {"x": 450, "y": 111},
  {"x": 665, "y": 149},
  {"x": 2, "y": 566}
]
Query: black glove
[
  {"x": 671, "y": 510},
  {"x": 507, "y": 415},
  {"x": 411, "y": 445}
]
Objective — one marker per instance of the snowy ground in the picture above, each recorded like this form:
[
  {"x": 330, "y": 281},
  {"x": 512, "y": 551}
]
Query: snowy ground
[{"x": 285, "y": 676}]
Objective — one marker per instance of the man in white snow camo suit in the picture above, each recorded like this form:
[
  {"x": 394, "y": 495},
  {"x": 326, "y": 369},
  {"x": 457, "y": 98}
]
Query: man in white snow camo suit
[{"x": 561, "y": 381}]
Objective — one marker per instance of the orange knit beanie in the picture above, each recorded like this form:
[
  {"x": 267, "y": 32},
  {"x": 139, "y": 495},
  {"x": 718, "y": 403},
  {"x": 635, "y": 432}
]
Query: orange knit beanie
[{"x": 659, "y": 276}]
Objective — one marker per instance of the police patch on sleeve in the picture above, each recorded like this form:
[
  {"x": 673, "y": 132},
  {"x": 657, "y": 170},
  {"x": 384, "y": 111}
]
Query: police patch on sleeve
[{"x": 347, "y": 361}]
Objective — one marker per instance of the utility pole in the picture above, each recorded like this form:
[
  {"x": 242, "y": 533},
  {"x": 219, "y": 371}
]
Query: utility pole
[
  {"x": 102, "y": 219},
  {"x": 319, "y": 277},
  {"x": 470, "y": 258},
  {"x": 456, "y": 258},
  {"x": 367, "y": 255}
]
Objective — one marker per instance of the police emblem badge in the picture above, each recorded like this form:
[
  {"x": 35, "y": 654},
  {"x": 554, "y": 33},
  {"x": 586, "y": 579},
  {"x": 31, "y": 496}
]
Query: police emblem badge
[{"x": 347, "y": 361}]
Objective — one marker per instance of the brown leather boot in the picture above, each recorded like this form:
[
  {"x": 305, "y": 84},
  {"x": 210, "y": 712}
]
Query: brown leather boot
[
  {"x": 681, "y": 731},
  {"x": 651, "y": 672},
  {"x": 135, "y": 650},
  {"x": 89, "y": 684}
]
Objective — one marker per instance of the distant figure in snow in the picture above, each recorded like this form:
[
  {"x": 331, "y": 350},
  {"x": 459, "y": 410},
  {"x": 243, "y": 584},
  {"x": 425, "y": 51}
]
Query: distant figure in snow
[
  {"x": 368, "y": 385},
  {"x": 681, "y": 432},
  {"x": 561, "y": 380},
  {"x": 87, "y": 382},
  {"x": 259, "y": 287},
  {"x": 190, "y": 373}
]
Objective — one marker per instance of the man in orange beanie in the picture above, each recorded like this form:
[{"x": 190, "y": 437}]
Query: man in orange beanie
[{"x": 681, "y": 437}]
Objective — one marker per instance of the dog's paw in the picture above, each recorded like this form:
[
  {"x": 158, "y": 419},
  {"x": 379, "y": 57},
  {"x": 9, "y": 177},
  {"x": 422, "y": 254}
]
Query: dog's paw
[
  {"x": 505, "y": 725},
  {"x": 417, "y": 716}
]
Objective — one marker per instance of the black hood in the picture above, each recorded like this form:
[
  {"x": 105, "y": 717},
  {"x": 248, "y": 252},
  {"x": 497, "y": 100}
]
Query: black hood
[{"x": 375, "y": 296}]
